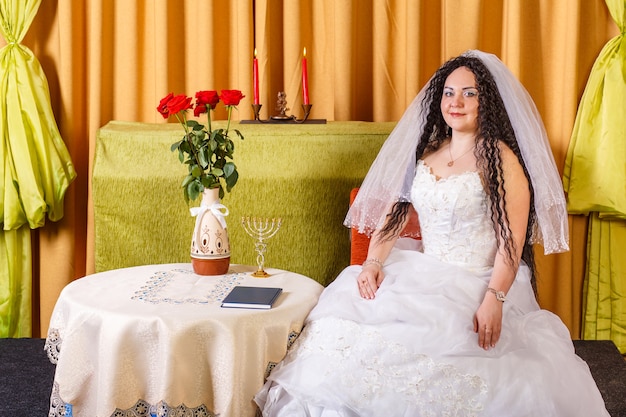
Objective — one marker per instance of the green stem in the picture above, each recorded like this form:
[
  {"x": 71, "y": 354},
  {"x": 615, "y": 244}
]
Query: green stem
[
  {"x": 208, "y": 116},
  {"x": 230, "y": 110},
  {"x": 193, "y": 156},
  {"x": 183, "y": 121}
]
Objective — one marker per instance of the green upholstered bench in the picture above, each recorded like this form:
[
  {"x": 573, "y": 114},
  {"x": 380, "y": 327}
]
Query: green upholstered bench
[{"x": 301, "y": 173}]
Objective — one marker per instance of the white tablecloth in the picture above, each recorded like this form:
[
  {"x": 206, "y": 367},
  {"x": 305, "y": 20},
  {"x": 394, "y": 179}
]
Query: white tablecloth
[{"x": 153, "y": 339}]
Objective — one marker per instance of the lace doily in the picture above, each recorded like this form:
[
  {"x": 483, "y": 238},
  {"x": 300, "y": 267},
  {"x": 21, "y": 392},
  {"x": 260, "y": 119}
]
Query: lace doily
[
  {"x": 162, "y": 409},
  {"x": 59, "y": 408},
  {"x": 53, "y": 345},
  {"x": 291, "y": 339},
  {"x": 157, "y": 289}
]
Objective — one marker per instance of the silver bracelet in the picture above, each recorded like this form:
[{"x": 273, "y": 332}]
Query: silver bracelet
[
  {"x": 500, "y": 296},
  {"x": 369, "y": 261}
]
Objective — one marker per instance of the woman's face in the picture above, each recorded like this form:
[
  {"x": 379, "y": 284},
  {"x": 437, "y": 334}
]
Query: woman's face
[{"x": 459, "y": 102}]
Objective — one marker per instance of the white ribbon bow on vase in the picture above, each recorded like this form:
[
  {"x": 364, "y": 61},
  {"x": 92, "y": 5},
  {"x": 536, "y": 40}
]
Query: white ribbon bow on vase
[{"x": 219, "y": 211}]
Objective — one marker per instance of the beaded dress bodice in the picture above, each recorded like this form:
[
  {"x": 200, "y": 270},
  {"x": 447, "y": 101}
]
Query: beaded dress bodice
[{"x": 454, "y": 218}]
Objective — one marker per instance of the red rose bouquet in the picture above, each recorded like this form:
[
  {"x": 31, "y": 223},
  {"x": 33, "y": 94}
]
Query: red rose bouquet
[{"x": 208, "y": 153}]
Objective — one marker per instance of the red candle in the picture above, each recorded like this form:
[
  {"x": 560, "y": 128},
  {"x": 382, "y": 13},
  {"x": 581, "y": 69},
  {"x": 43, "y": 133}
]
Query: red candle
[
  {"x": 255, "y": 78},
  {"x": 305, "y": 80}
]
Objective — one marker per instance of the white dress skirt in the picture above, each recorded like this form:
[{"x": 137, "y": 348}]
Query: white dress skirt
[{"x": 412, "y": 350}]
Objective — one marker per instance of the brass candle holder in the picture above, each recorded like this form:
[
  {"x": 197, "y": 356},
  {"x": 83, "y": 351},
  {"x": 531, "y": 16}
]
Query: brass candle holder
[{"x": 282, "y": 116}]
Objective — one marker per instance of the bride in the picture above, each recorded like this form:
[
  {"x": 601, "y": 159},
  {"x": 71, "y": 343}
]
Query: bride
[{"x": 453, "y": 329}]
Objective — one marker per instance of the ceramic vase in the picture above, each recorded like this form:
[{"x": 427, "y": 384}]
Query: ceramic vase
[{"x": 210, "y": 246}]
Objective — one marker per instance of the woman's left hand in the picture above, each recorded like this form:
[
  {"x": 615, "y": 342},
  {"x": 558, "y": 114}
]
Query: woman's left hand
[
  {"x": 488, "y": 322},
  {"x": 369, "y": 280}
]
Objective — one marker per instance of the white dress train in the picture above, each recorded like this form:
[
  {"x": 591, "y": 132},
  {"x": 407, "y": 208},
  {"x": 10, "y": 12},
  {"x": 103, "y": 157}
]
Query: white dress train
[{"x": 412, "y": 350}]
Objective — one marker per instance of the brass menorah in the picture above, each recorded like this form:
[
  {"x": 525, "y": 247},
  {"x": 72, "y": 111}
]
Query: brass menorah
[{"x": 261, "y": 230}]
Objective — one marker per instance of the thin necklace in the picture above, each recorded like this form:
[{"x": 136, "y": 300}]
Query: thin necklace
[{"x": 452, "y": 160}]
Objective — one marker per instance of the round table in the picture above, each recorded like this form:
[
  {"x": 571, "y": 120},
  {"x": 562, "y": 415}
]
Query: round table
[{"x": 152, "y": 339}]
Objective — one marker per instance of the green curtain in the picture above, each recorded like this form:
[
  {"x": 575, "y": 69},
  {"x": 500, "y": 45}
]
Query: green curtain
[
  {"x": 595, "y": 181},
  {"x": 35, "y": 168}
]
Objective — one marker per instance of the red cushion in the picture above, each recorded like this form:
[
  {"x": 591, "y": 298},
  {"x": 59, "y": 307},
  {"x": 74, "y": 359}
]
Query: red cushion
[{"x": 359, "y": 243}]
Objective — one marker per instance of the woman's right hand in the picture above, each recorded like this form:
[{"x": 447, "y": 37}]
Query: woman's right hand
[{"x": 369, "y": 280}]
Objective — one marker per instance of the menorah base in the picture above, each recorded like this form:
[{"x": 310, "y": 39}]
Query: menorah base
[{"x": 260, "y": 274}]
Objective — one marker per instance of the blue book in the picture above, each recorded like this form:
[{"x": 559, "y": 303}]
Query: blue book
[{"x": 252, "y": 297}]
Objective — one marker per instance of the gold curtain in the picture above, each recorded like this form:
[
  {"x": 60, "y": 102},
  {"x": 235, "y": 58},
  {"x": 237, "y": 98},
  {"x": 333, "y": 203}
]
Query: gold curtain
[{"x": 114, "y": 59}]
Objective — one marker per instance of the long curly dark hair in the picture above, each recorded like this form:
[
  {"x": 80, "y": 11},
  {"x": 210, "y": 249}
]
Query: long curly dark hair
[{"x": 494, "y": 126}]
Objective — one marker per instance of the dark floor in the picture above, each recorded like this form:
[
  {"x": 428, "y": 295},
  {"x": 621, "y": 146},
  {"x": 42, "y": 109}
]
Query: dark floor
[
  {"x": 608, "y": 368},
  {"x": 26, "y": 376}
]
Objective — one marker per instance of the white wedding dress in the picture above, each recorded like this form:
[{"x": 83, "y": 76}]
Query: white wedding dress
[{"x": 412, "y": 350}]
